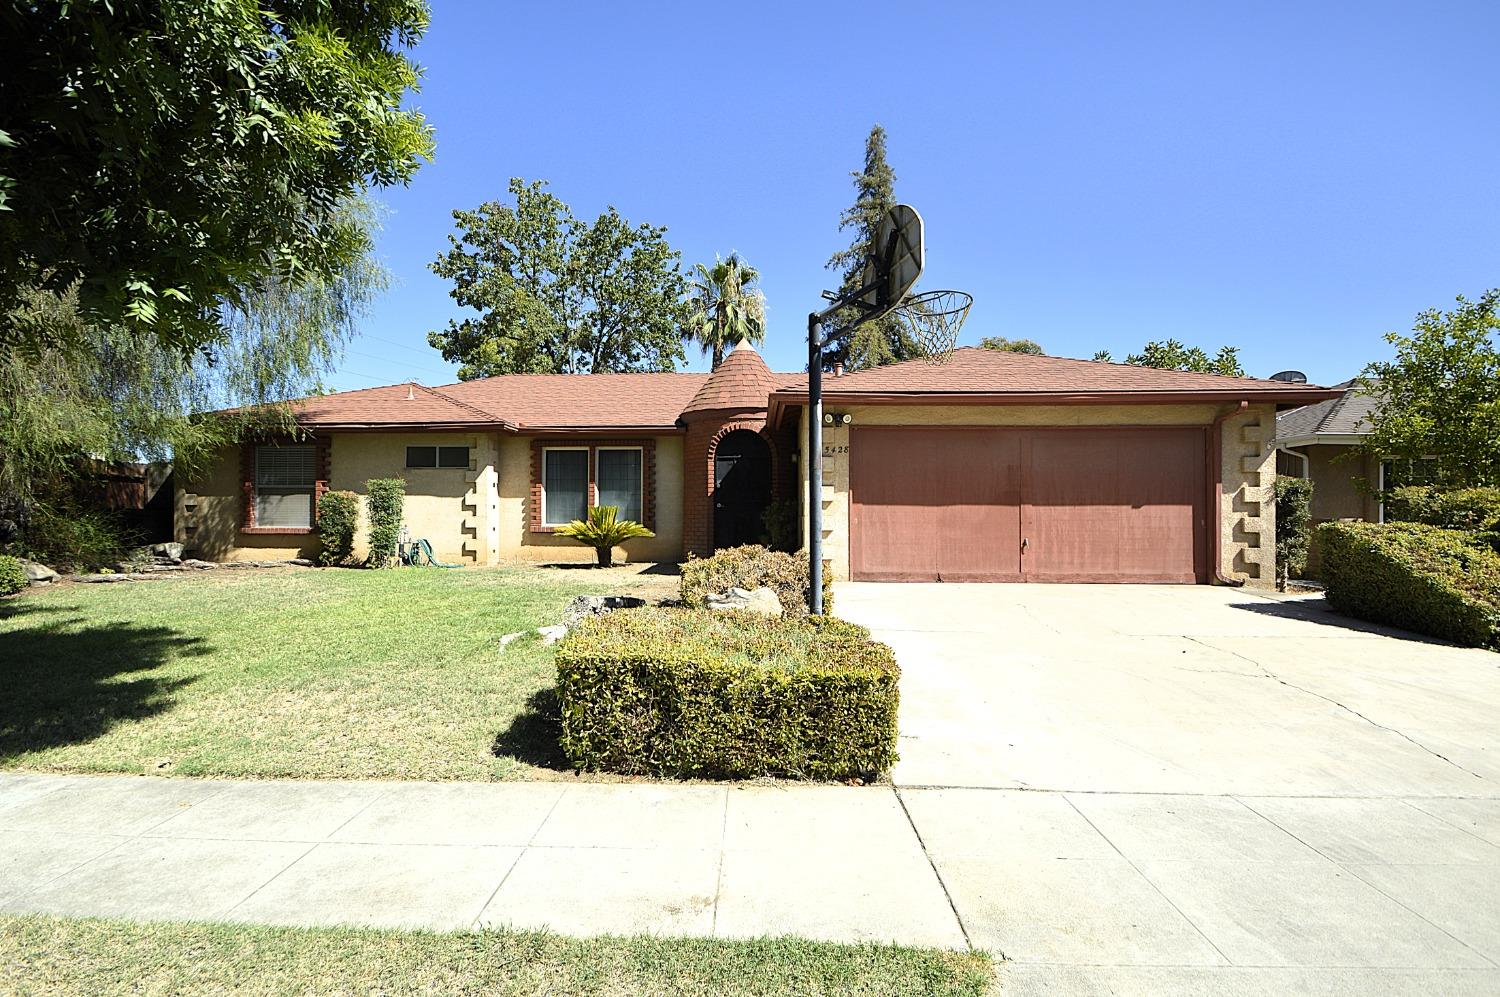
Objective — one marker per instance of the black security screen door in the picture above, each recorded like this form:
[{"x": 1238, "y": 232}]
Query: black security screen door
[{"x": 742, "y": 488}]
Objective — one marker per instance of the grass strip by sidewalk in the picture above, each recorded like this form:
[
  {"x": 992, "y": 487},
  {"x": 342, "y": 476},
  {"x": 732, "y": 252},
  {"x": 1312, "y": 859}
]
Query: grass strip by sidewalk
[{"x": 49, "y": 955}]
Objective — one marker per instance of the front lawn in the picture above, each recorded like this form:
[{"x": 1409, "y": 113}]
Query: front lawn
[
  {"x": 44, "y": 955},
  {"x": 292, "y": 673}
]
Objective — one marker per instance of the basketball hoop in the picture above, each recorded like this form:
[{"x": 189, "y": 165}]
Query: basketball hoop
[{"x": 934, "y": 319}]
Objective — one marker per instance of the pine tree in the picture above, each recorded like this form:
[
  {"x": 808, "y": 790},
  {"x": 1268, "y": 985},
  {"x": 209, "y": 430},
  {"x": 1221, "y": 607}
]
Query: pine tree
[{"x": 885, "y": 340}]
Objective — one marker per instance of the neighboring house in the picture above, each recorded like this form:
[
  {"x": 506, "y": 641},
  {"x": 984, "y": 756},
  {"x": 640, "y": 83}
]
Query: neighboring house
[
  {"x": 989, "y": 466},
  {"x": 1321, "y": 441}
]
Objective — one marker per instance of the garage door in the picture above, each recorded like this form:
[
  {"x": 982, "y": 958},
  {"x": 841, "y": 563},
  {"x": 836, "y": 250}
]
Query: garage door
[{"x": 993, "y": 504}]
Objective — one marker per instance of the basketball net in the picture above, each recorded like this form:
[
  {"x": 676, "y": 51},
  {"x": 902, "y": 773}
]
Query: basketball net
[{"x": 934, "y": 318}]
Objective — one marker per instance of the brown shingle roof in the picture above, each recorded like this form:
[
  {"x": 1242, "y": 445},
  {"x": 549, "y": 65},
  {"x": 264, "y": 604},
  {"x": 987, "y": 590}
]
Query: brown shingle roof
[
  {"x": 742, "y": 381},
  {"x": 391, "y": 405},
  {"x": 974, "y": 370},
  {"x": 582, "y": 401}
]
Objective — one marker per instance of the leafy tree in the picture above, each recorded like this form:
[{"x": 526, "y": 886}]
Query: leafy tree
[
  {"x": 167, "y": 157},
  {"x": 1173, "y": 355},
  {"x": 558, "y": 295},
  {"x": 884, "y": 340},
  {"x": 115, "y": 392},
  {"x": 1293, "y": 527},
  {"x": 1029, "y": 346},
  {"x": 1440, "y": 395},
  {"x": 725, "y": 308}
]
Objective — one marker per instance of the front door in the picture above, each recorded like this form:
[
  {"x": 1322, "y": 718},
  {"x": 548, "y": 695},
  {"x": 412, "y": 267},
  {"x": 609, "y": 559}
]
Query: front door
[{"x": 742, "y": 489}]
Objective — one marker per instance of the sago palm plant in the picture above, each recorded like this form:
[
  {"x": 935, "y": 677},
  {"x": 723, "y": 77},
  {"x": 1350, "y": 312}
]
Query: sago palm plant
[
  {"x": 603, "y": 532},
  {"x": 725, "y": 308}
]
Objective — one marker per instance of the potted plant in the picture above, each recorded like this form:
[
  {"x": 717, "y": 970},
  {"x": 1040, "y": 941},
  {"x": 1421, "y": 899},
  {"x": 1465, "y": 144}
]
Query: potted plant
[{"x": 603, "y": 532}]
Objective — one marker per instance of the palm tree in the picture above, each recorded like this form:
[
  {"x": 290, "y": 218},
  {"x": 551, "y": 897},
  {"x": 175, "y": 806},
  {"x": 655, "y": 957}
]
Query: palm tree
[{"x": 725, "y": 308}]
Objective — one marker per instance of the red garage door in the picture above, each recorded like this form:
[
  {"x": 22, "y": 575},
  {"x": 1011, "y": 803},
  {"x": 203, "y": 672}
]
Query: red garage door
[{"x": 1000, "y": 504}]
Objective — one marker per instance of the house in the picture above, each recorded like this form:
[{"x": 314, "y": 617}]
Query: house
[
  {"x": 1321, "y": 441},
  {"x": 989, "y": 466}
]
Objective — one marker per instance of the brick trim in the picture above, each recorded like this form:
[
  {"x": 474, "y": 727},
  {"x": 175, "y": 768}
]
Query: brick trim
[
  {"x": 647, "y": 447},
  {"x": 322, "y": 459}
]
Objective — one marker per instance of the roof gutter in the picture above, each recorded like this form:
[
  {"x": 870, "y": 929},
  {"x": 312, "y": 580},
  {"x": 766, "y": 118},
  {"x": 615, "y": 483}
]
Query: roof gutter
[
  {"x": 1312, "y": 439},
  {"x": 1289, "y": 396},
  {"x": 1216, "y": 493}
]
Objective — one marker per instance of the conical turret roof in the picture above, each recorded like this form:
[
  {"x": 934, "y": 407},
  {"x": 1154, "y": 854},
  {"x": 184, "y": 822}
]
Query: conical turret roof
[{"x": 742, "y": 381}]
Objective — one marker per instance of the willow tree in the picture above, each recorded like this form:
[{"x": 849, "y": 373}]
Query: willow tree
[{"x": 726, "y": 308}]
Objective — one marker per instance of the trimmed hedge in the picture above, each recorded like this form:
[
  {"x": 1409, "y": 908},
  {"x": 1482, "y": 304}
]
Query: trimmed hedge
[
  {"x": 1453, "y": 508},
  {"x": 693, "y": 693},
  {"x": 338, "y": 516},
  {"x": 1423, "y": 578},
  {"x": 12, "y": 575},
  {"x": 384, "y": 498},
  {"x": 752, "y": 567}
]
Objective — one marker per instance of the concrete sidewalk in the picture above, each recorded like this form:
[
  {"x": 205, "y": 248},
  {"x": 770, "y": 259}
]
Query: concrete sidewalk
[{"x": 1083, "y": 892}]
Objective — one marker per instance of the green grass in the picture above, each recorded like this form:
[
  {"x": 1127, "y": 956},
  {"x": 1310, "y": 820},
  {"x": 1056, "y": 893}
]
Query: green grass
[
  {"x": 44, "y": 955},
  {"x": 291, "y": 673}
]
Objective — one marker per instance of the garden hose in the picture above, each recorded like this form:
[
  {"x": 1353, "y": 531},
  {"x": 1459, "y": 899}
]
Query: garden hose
[{"x": 420, "y": 556}]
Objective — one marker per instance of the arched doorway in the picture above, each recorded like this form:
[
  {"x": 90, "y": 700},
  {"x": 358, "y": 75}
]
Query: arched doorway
[{"x": 742, "y": 488}]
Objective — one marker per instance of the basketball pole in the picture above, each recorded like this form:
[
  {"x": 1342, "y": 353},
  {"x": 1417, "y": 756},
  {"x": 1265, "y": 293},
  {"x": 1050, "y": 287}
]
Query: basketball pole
[{"x": 815, "y": 463}]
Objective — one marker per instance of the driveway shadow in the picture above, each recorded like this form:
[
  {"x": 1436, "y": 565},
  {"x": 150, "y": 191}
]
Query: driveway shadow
[
  {"x": 534, "y": 735},
  {"x": 1318, "y": 611},
  {"x": 69, "y": 685}
]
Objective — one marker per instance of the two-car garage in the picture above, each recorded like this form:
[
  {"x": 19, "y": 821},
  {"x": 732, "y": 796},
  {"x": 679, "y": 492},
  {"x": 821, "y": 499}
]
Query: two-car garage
[{"x": 992, "y": 503}]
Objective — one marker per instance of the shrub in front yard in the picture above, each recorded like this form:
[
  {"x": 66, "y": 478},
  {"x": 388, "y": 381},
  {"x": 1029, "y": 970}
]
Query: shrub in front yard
[
  {"x": 1293, "y": 527},
  {"x": 12, "y": 575},
  {"x": 1451, "y": 508},
  {"x": 691, "y": 693},
  {"x": 383, "y": 500},
  {"x": 1423, "y": 578},
  {"x": 752, "y": 567},
  {"x": 338, "y": 516}
]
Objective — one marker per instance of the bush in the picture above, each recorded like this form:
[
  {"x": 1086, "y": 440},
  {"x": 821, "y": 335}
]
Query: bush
[
  {"x": 383, "y": 500},
  {"x": 1454, "y": 508},
  {"x": 603, "y": 531},
  {"x": 1423, "y": 578},
  {"x": 12, "y": 575},
  {"x": 751, "y": 567},
  {"x": 1293, "y": 527},
  {"x": 692, "y": 693},
  {"x": 780, "y": 522},
  {"x": 68, "y": 535},
  {"x": 338, "y": 517}
]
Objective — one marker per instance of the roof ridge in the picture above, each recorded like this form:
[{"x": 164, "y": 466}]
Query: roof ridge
[{"x": 461, "y": 404}]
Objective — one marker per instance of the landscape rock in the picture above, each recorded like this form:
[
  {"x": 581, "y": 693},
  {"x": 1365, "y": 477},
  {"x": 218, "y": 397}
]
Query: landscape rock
[
  {"x": 762, "y": 600},
  {"x": 39, "y": 574},
  {"x": 171, "y": 551},
  {"x": 586, "y": 607},
  {"x": 193, "y": 562},
  {"x": 509, "y": 638},
  {"x": 552, "y": 634}
]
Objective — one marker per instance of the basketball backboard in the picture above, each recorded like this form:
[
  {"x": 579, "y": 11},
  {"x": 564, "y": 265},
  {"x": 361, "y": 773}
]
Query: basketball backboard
[{"x": 896, "y": 261}]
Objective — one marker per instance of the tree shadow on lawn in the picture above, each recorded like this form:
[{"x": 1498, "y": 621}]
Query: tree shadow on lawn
[
  {"x": 66, "y": 686},
  {"x": 534, "y": 735}
]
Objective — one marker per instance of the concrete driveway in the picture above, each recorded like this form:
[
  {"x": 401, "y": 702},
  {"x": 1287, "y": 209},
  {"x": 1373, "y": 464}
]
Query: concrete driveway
[{"x": 1160, "y": 789}]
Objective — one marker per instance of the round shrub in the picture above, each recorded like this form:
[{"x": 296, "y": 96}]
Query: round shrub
[
  {"x": 752, "y": 567},
  {"x": 12, "y": 575}
]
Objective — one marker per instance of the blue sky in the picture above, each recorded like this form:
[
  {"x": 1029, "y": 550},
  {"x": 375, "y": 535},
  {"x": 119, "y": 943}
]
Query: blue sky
[{"x": 1293, "y": 178}]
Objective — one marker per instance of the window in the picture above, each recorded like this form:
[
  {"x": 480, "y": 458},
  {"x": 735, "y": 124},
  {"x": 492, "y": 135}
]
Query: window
[
  {"x": 437, "y": 457},
  {"x": 619, "y": 479},
  {"x": 565, "y": 486},
  {"x": 285, "y": 478}
]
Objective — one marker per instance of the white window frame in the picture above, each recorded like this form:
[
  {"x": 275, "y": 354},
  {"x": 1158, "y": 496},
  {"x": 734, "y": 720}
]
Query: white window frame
[
  {"x": 641, "y": 485},
  {"x": 588, "y": 485}
]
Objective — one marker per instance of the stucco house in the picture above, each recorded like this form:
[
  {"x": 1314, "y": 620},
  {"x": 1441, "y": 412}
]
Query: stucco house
[
  {"x": 989, "y": 466},
  {"x": 1321, "y": 441}
]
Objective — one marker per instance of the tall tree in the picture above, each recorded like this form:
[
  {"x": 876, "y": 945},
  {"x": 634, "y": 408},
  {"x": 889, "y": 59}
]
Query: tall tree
[
  {"x": 559, "y": 295},
  {"x": 1029, "y": 346},
  {"x": 1173, "y": 355},
  {"x": 884, "y": 340},
  {"x": 1440, "y": 395},
  {"x": 164, "y": 157},
  {"x": 725, "y": 307},
  {"x": 116, "y": 392}
]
